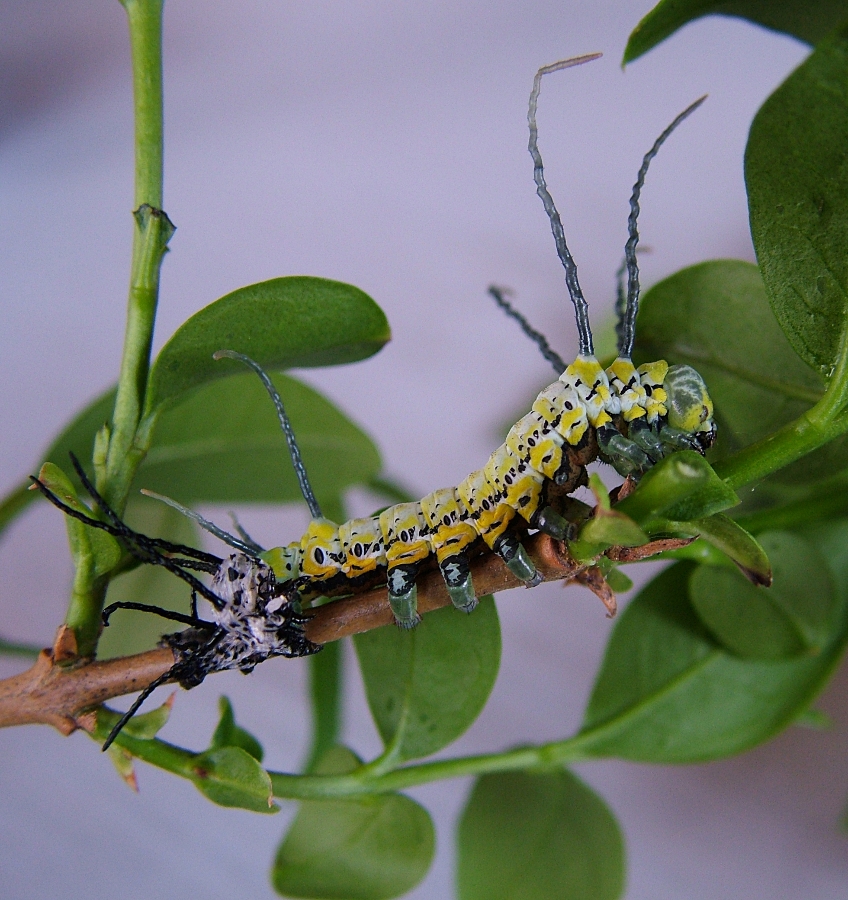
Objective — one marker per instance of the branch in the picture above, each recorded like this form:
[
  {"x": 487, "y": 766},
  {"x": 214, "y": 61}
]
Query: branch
[{"x": 61, "y": 685}]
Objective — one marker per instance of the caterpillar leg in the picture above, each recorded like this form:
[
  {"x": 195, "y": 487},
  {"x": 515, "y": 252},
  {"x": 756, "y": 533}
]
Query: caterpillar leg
[
  {"x": 517, "y": 560},
  {"x": 403, "y": 595},
  {"x": 552, "y": 523},
  {"x": 622, "y": 453},
  {"x": 646, "y": 437},
  {"x": 457, "y": 574}
]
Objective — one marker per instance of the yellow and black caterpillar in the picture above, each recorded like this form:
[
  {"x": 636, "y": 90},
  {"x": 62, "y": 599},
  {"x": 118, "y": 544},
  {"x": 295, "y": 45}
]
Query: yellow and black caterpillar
[{"x": 626, "y": 416}]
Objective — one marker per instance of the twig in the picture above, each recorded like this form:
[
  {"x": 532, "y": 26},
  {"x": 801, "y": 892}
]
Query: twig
[{"x": 60, "y": 687}]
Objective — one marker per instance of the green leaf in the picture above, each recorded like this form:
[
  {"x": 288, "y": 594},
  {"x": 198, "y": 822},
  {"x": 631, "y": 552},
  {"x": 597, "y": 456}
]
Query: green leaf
[
  {"x": 281, "y": 323},
  {"x": 230, "y": 776},
  {"x": 715, "y": 317},
  {"x": 792, "y": 617},
  {"x": 734, "y": 541},
  {"x": 426, "y": 686},
  {"x": 145, "y": 727},
  {"x": 228, "y": 734},
  {"x": 364, "y": 849},
  {"x": 131, "y": 631},
  {"x": 607, "y": 527},
  {"x": 808, "y": 21},
  {"x": 538, "y": 836},
  {"x": 77, "y": 437},
  {"x": 667, "y": 692},
  {"x": 682, "y": 487},
  {"x": 90, "y": 547},
  {"x": 617, "y": 580},
  {"x": 224, "y": 444},
  {"x": 797, "y": 176}
]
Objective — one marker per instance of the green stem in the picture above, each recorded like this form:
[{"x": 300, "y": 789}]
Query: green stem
[
  {"x": 366, "y": 780},
  {"x": 325, "y": 690},
  {"x": 810, "y": 431},
  {"x": 150, "y": 238}
]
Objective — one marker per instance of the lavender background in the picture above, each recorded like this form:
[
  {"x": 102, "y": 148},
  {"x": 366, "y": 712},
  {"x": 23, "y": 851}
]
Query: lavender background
[{"x": 383, "y": 144}]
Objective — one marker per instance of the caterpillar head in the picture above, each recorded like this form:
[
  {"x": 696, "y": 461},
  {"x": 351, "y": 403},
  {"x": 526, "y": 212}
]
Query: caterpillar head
[{"x": 690, "y": 408}]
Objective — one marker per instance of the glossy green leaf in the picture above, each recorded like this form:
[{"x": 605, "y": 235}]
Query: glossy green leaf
[
  {"x": 716, "y": 318},
  {"x": 369, "y": 848},
  {"x": 228, "y": 734},
  {"x": 130, "y": 631},
  {"x": 668, "y": 692},
  {"x": 230, "y": 776},
  {"x": 224, "y": 444},
  {"x": 797, "y": 177},
  {"x": 737, "y": 545},
  {"x": 682, "y": 487},
  {"x": 537, "y": 836},
  {"x": 281, "y": 323},
  {"x": 792, "y": 617},
  {"x": 808, "y": 20},
  {"x": 426, "y": 686}
]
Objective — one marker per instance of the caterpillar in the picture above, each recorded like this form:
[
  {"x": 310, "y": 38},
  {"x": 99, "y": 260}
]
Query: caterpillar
[{"x": 625, "y": 416}]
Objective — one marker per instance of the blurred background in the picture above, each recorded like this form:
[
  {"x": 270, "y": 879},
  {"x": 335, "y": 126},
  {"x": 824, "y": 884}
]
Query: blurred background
[{"x": 382, "y": 144}]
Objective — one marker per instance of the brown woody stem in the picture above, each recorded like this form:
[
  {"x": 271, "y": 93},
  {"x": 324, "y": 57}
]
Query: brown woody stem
[{"x": 60, "y": 687}]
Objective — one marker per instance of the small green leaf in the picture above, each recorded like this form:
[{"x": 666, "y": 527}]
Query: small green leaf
[
  {"x": 146, "y": 726},
  {"x": 364, "y": 849},
  {"x": 797, "y": 177},
  {"x": 426, "y": 686},
  {"x": 89, "y": 546},
  {"x": 224, "y": 444},
  {"x": 228, "y": 734},
  {"x": 607, "y": 527},
  {"x": 538, "y": 836},
  {"x": 131, "y": 631},
  {"x": 792, "y": 617},
  {"x": 808, "y": 21},
  {"x": 230, "y": 776},
  {"x": 617, "y": 580},
  {"x": 612, "y": 528},
  {"x": 681, "y": 487},
  {"x": 734, "y": 541},
  {"x": 667, "y": 692},
  {"x": 281, "y": 323}
]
